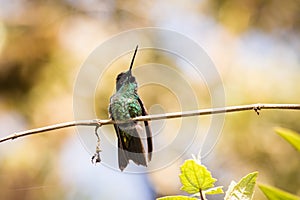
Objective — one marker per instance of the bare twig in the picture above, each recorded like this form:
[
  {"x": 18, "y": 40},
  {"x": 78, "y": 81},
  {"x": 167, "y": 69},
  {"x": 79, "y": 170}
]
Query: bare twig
[{"x": 97, "y": 122}]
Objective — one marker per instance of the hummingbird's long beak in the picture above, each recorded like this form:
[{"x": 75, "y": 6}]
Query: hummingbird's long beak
[{"x": 131, "y": 64}]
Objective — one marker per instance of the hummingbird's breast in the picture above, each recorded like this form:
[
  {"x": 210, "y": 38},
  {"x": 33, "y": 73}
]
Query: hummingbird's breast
[{"x": 124, "y": 107}]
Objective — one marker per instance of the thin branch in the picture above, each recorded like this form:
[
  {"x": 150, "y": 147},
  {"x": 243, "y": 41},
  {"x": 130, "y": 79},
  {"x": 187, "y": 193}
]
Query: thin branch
[{"x": 97, "y": 122}]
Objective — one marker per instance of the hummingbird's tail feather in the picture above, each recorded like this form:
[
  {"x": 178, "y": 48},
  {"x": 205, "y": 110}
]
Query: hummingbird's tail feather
[
  {"x": 130, "y": 147},
  {"x": 122, "y": 157}
]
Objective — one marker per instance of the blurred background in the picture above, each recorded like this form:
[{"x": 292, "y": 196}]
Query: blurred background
[{"x": 254, "y": 44}]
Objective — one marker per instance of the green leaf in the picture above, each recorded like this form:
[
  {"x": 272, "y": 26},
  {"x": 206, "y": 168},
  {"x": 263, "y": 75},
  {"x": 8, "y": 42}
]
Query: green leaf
[
  {"x": 195, "y": 177},
  {"x": 290, "y": 136},
  {"x": 277, "y": 194},
  {"x": 243, "y": 190},
  {"x": 176, "y": 198},
  {"x": 215, "y": 190}
]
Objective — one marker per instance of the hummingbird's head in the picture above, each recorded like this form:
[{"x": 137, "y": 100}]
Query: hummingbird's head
[{"x": 126, "y": 77}]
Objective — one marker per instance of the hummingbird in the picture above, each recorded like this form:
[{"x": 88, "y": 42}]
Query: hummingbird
[{"x": 124, "y": 105}]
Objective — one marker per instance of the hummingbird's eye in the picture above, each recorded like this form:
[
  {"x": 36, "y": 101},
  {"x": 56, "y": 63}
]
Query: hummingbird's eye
[{"x": 132, "y": 79}]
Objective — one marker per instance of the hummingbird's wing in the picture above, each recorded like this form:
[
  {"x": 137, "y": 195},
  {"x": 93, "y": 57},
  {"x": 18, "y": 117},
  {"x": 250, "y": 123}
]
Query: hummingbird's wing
[{"x": 148, "y": 130}]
